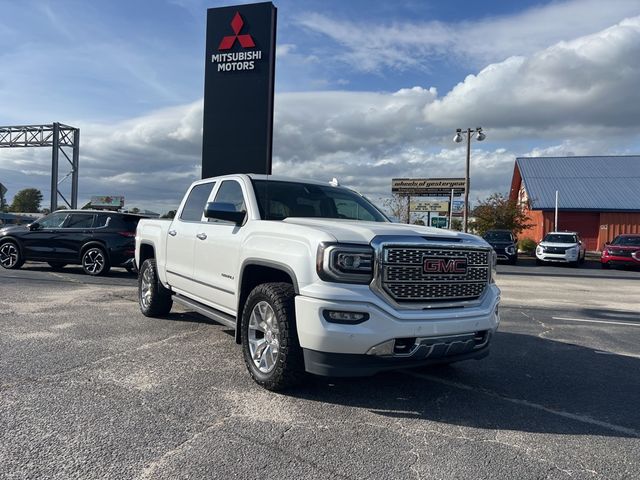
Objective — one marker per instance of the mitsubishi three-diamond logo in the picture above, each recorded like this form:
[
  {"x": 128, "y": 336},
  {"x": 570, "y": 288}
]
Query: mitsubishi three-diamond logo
[
  {"x": 245, "y": 40},
  {"x": 238, "y": 60}
]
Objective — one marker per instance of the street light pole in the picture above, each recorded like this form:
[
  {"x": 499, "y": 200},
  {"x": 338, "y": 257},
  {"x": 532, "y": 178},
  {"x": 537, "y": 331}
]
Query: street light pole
[
  {"x": 466, "y": 183},
  {"x": 480, "y": 136}
]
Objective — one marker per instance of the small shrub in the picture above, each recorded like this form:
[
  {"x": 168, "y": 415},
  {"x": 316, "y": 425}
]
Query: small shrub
[{"x": 526, "y": 245}]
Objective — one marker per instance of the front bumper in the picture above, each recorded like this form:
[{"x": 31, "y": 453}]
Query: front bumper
[
  {"x": 618, "y": 260},
  {"x": 353, "y": 365},
  {"x": 558, "y": 257},
  {"x": 354, "y": 344}
]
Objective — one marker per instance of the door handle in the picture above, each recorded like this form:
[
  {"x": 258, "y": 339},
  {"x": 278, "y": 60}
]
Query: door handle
[
  {"x": 202, "y": 236},
  {"x": 172, "y": 233}
]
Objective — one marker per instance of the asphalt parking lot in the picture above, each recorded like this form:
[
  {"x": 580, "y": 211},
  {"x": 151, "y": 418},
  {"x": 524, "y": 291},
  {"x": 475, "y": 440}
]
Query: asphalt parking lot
[{"x": 91, "y": 389}]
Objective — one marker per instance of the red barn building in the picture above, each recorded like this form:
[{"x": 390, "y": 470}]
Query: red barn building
[{"x": 599, "y": 197}]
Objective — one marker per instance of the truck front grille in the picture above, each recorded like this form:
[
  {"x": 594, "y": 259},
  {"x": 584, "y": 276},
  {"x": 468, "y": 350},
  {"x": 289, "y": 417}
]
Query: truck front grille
[{"x": 427, "y": 274}]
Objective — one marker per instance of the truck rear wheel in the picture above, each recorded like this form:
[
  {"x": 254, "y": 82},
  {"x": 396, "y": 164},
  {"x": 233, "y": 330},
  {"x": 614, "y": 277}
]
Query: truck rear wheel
[
  {"x": 270, "y": 345},
  {"x": 155, "y": 300}
]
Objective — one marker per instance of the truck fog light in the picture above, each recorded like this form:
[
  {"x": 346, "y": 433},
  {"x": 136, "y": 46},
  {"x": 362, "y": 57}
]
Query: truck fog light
[
  {"x": 348, "y": 318},
  {"x": 383, "y": 349}
]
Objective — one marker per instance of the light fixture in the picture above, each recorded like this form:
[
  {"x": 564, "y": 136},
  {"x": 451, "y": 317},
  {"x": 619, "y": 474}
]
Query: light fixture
[{"x": 480, "y": 136}]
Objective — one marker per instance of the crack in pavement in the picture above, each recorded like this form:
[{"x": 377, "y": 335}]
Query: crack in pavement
[
  {"x": 149, "y": 471},
  {"x": 30, "y": 380},
  {"x": 560, "y": 413}
]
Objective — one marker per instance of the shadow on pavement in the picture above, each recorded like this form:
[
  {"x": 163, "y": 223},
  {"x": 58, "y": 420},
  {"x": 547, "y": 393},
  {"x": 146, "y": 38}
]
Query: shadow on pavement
[{"x": 528, "y": 384}]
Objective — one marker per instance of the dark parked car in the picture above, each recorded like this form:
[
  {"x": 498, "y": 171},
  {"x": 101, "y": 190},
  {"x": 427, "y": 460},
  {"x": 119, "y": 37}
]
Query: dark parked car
[
  {"x": 504, "y": 243},
  {"x": 97, "y": 240},
  {"x": 624, "y": 250}
]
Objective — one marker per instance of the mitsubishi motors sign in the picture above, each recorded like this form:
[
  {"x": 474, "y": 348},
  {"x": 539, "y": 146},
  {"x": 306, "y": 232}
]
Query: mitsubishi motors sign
[
  {"x": 242, "y": 60},
  {"x": 238, "y": 89}
]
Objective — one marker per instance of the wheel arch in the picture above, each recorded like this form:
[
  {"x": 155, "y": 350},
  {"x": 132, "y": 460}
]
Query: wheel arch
[
  {"x": 15, "y": 240},
  {"x": 94, "y": 243},
  {"x": 254, "y": 272},
  {"x": 147, "y": 250}
]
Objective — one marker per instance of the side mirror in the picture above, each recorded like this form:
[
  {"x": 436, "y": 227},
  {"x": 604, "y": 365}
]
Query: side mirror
[
  {"x": 33, "y": 226},
  {"x": 225, "y": 212}
]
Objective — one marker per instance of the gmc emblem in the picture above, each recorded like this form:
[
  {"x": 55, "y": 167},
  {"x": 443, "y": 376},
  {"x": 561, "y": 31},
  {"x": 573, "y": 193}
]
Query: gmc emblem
[{"x": 445, "y": 265}]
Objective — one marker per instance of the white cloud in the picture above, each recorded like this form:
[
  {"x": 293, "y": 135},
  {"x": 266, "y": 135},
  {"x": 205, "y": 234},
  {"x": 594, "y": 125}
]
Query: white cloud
[
  {"x": 590, "y": 81},
  {"x": 409, "y": 45}
]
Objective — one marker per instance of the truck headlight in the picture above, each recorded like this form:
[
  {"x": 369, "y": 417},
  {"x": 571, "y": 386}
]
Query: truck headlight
[
  {"x": 510, "y": 250},
  {"x": 345, "y": 263}
]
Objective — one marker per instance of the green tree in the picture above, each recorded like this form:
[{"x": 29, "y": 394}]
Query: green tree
[
  {"x": 27, "y": 201},
  {"x": 456, "y": 224},
  {"x": 3, "y": 201},
  {"x": 497, "y": 211}
]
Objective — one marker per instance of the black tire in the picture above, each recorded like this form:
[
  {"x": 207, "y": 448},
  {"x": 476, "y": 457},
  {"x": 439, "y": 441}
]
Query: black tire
[
  {"x": 513, "y": 261},
  {"x": 155, "y": 300},
  {"x": 10, "y": 256},
  {"x": 288, "y": 368},
  {"x": 95, "y": 261},
  {"x": 57, "y": 265},
  {"x": 539, "y": 262},
  {"x": 605, "y": 266}
]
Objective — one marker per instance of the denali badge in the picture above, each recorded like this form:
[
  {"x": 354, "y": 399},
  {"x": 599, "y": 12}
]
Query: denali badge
[{"x": 444, "y": 265}]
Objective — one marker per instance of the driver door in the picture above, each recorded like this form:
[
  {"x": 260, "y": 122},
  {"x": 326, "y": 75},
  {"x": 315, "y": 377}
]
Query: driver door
[{"x": 40, "y": 241}]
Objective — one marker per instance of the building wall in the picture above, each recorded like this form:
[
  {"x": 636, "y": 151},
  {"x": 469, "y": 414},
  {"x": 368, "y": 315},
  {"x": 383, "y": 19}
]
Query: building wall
[
  {"x": 595, "y": 228},
  {"x": 615, "y": 223}
]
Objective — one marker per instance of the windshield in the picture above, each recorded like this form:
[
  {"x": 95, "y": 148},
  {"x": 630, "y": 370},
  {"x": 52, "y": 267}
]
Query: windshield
[
  {"x": 498, "y": 237},
  {"x": 627, "y": 241},
  {"x": 560, "y": 238},
  {"x": 295, "y": 199}
]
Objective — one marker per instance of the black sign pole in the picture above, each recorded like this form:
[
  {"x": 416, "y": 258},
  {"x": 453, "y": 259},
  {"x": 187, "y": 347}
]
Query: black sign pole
[{"x": 237, "y": 133}]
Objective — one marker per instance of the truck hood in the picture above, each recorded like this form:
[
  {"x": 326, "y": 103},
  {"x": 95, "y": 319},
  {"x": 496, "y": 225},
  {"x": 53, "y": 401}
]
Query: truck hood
[{"x": 350, "y": 231}]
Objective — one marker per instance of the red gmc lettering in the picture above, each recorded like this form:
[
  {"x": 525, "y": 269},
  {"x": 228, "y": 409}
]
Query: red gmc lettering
[{"x": 440, "y": 265}]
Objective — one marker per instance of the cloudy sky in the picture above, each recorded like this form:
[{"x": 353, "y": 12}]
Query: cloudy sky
[{"x": 366, "y": 90}]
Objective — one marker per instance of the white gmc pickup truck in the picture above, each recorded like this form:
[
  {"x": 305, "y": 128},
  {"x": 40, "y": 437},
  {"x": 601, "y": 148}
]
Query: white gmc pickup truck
[{"x": 314, "y": 278}]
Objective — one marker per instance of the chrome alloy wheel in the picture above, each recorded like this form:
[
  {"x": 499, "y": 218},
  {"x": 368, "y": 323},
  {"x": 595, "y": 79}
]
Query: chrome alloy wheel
[
  {"x": 8, "y": 255},
  {"x": 146, "y": 288},
  {"x": 264, "y": 337},
  {"x": 93, "y": 261}
]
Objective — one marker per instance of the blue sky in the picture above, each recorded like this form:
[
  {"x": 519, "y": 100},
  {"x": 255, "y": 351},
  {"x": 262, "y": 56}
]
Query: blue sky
[{"x": 365, "y": 90}]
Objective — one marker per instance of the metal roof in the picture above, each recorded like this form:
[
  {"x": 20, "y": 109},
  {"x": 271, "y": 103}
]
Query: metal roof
[{"x": 604, "y": 183}]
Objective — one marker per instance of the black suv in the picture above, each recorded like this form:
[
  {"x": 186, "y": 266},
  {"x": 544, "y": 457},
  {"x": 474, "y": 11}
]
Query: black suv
[
  {"x": 504, "y": 243},
  {"x": 97, "y": 240}
]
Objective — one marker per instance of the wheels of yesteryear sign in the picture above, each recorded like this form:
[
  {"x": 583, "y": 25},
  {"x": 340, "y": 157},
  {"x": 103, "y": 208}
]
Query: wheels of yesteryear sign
[
  {"x": 238, "y": 89},
  {"x": 428, "y": 187}
]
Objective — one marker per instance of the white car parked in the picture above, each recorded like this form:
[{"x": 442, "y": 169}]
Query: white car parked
[{"x": 563, "y": 247}]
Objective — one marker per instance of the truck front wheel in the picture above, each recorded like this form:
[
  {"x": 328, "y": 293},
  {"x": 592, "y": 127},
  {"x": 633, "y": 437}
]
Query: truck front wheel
[
  {"x": 270, "y": 345},
  {"x": 154, "y": 299}
]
